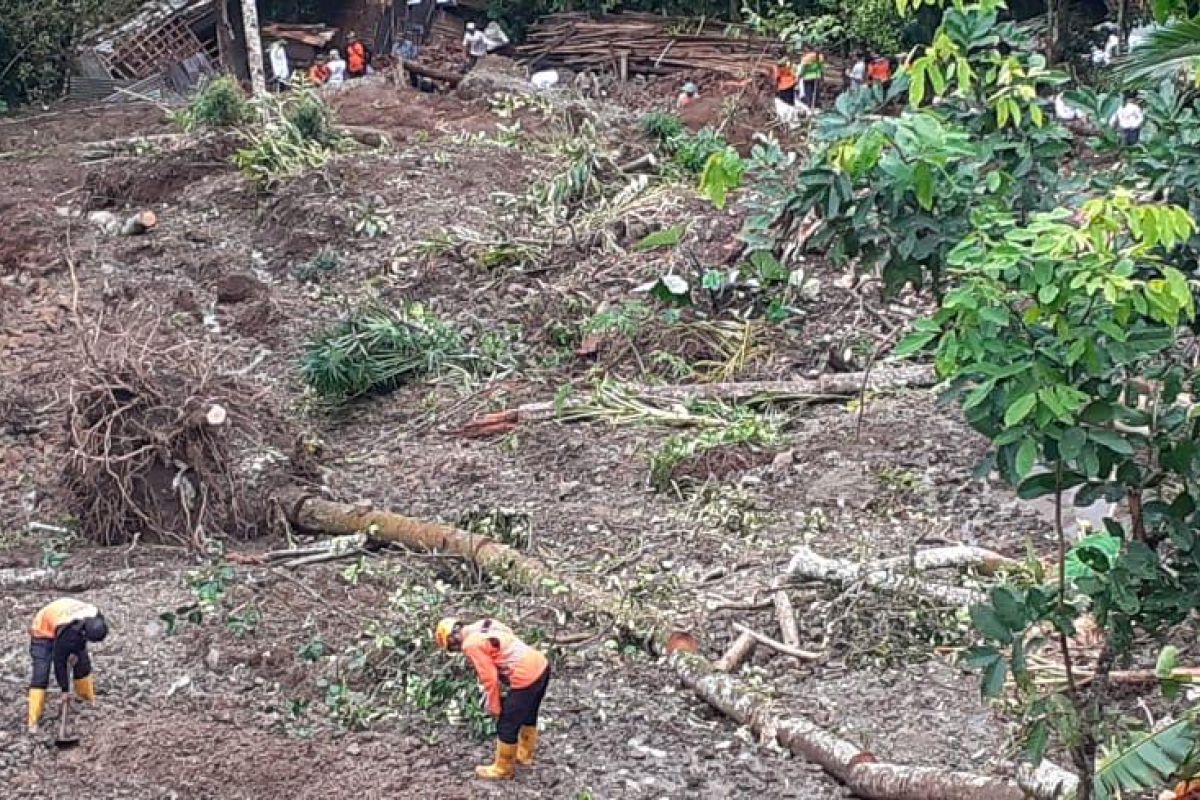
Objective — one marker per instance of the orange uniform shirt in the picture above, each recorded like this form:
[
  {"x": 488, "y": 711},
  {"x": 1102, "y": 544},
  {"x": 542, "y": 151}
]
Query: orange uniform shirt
[
  {"x": 785, "y": 77},
  {"x": 499, "y": 657},
  {"x": 879, "y": 70},
  {"x": 318, "y": 74},
  {"x": 61, "y": 612},
  {"x": 356, "y": 54}
]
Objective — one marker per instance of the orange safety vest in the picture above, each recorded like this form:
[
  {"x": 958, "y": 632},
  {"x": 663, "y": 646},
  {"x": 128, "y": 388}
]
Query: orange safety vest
[
  {"x": 785, "y": 77},
  {"x": 61, "y": 612},
  {"x": 318, "y": 74},
  {"x": 356, "y": 55},
  {"x": 879, "y": 70},
  {"x": 499, "y": 657}
]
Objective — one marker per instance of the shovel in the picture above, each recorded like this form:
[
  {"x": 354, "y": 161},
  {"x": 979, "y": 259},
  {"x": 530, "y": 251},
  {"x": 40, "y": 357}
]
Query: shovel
[{"x": 66, "y": 739}]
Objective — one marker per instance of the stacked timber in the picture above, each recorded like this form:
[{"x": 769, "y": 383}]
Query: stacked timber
[{"x": 629, "y": 43}]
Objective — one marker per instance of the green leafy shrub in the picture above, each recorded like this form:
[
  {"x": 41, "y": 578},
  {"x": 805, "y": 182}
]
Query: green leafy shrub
[
  {"x": 313, "y": 119},
  {"x": 692, "y": 151},
  {"x": 661, "y": 126},
  {"x": 220, "y": 104},
  {"x": 378, "y": 349},
  {"x": 323, "y": 263},
  {"x": 299, "y": 135}
]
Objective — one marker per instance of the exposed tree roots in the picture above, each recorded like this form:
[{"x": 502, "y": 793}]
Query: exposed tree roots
[{"x": 150, "y": 448}]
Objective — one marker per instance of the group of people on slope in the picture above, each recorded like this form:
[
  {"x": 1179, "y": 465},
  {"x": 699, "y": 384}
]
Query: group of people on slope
[
  {"x": 333, "y": 70},
  {"x": 798, "y": 85}
]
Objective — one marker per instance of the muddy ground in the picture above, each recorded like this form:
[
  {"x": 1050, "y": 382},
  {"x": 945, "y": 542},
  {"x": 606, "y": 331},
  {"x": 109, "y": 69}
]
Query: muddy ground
[{"x": 222, "y": 709}]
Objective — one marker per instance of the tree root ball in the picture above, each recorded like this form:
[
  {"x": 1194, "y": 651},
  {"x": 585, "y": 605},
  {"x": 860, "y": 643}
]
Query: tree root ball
[{"x": 157, "y": 451}]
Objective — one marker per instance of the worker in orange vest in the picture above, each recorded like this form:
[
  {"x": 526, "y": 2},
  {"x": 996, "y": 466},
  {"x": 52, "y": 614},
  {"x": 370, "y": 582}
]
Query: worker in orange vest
[
  {"x": 357, "y": 56},
  {"x": 785, "y": 82},
  {"x": 319, "y": 73},
  {"x": 60, "y": 630},
  {"x": 879, "y": 70},
  {"x": 500, "y": 658},
  {"x": 1185, "y": 790}
]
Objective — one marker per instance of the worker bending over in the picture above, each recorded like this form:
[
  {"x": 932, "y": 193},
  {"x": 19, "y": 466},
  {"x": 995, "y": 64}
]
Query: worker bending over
[
  {"x": 59, "y": 631},
  {"x": 499, "y": 657}
]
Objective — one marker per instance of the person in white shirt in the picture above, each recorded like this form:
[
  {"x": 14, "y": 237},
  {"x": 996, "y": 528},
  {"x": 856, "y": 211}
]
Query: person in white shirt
[
  {"x": 337, "y": 68},
  {"x": 475, "y": 43},
  {"x": 280, "y": 68},
  {"x": 858, "y": 72},
  {"x": 1128, "y": 120}
]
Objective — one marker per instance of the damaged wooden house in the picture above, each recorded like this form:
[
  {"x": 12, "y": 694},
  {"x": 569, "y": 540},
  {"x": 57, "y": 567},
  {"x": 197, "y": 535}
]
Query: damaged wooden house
[{"x": 167, "y": 46}]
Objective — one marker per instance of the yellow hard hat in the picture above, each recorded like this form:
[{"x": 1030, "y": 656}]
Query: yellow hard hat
[{"x": 441, "y": 634}]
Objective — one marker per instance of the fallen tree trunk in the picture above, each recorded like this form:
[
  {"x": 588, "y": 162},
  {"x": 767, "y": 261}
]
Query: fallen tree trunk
[
  {"x": 738, "y": 652},
  {"x": 858, "y": 769},
  {"x": 826, "y": 388},
  {"x": 452, "y": 78},
  {"x": 810, "y": 566},
  {"x": 311, "y": 515},
  {"x": 65, "y": 580},
  {"x": 987, "y": 562}
]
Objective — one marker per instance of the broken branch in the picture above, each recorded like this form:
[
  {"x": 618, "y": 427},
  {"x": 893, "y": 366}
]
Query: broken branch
[
  {"x": 779, "y": 647},
  {"x": 810, "y": 566}
]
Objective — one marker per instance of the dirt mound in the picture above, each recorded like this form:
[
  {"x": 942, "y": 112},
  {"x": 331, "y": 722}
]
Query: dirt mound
[{"x": 148, "y": 180}]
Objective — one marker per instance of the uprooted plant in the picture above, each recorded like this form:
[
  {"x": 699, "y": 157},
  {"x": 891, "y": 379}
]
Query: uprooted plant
[
  {"x": 298, "y": 134},
  {"x": 377, "y": 349},
  {"x": 220, "y": 104},
  {"x": 715, "y": 451}
]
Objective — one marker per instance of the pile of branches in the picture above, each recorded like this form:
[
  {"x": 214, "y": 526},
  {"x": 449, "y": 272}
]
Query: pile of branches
[
  {"x": 150, "y": 448},
  {"x": 645, "y": 43}
]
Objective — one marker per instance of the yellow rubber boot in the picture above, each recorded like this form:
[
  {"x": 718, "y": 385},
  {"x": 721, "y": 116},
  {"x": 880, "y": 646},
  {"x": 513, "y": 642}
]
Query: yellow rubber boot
[
  {"x": 502, "y": 769},
  {"x": 37, "y": 702},
  {"x": 85, "y": 688},
  {"x": 526, "y": 744}
]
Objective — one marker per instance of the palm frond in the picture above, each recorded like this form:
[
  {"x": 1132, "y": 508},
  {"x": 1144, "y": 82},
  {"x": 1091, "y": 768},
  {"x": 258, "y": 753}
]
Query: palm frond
[
  {"x": 1165, "y": 51},
  {"x": 1148, "y": 763}
]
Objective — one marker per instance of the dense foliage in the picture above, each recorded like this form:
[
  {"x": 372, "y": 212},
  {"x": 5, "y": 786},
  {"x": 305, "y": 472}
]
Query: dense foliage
[
  {"x": 1065, "y": 317},
  {"x": 37, "y": 39}
]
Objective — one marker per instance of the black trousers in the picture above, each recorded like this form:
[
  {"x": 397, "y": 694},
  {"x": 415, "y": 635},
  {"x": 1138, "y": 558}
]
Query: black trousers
[
  {"x": 520, "y": 708},
  {"x": 787, "y": 95},
  {"x": 45, "y": 654}
]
